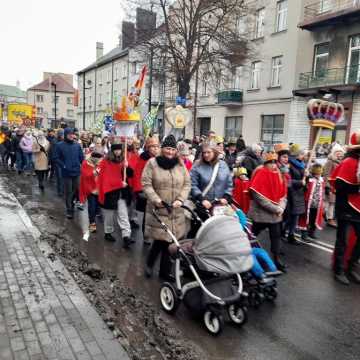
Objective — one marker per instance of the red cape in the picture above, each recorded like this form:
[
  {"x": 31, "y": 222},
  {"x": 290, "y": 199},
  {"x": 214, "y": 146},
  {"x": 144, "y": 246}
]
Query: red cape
[
  {"x": 88, "y": 181},
  {"x": 304, "y": 219},
  {"x": 347, "y": 171},
  {"x": 241, "y": 194},
  {"x": 110, "y": 178},
  {"x": 139, "y": 168},
  {"x": 132, "y": 158},
  {"x": 269, "y": 184}
]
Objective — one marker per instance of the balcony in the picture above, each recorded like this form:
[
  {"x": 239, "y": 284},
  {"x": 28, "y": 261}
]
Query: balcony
[
  {"x": 230, "y": 97},
  {"x": 329, "y": 81},
  {"x": 330, "y": 12}
]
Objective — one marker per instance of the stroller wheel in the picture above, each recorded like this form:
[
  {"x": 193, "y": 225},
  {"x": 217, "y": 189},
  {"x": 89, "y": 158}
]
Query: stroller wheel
[
  {"x": 214, "y": 323},
  {"x": 168, "y": 298},
  {"x": 270, "y": 293},
  {"x": 237, "y": 314},
  {"x": 255, "y": 299}
]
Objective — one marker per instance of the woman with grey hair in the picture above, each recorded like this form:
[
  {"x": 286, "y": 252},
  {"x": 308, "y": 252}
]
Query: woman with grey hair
[{"x": 251, "y": 158}]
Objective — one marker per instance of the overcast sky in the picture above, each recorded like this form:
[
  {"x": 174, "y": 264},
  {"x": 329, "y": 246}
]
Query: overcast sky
[{"x": 53, "y": 35}]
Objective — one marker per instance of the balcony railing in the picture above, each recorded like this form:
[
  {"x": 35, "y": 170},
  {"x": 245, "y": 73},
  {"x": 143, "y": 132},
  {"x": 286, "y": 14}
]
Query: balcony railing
[
  {"x": 327, "y": 9},
  {"x": 230, "y": 97},
  {"x": 330, "y": 77}
]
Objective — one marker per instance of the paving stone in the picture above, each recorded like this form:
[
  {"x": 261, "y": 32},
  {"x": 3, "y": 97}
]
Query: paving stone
[
  {"x": 93, "y": 348},
  {"x": 40, "y": 327},
  {"x": 21, "y": 355},
  {"x": 33, "y": 347},
  {"x": 17, "y": 344},
  {"x": 83, "y": 355},
  {"x": 30, "y": 335}
]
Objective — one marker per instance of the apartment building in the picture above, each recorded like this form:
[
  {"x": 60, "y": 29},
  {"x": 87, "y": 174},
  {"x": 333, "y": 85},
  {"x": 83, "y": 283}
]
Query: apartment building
[
  {"x": 55, "y": 100},
  {"x": 328, "y": 65}
]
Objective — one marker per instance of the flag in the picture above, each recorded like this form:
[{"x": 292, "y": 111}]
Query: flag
[{"x": 149, "y": 120}]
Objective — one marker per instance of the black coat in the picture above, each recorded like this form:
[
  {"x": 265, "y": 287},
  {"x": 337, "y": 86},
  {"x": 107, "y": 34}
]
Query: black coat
[
  {"x": 250, "y": 161},
  {"x": 296, "y": 194},
  {"x": 230, "y": 159}
]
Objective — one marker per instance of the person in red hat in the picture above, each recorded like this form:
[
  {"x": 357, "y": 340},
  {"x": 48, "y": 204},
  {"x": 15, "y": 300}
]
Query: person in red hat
[
  {"x": 346, "y": 183},
  {"x": 268, "y": 191}
]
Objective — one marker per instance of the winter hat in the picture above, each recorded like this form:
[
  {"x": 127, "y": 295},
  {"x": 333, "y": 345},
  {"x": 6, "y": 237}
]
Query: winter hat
[
  {"x": 116, "y": 147},
  {"x": 256, "y": 147},
  {"x": 316, "y": 169},
  {"x": 281, "y": 149},
  {"x": 232, "y": 141},
  {"x": 169, "y": 141},
  {"x": 240, "y": 171},
  {"x": 295, "y": 150},
  {"x": 151, "y": 141},
  {"x": 270, "y": 157},
  {"x": 336, "y": 148},
  {"x": 68, "y": 131},
  {"x": 183, "y": 148}
]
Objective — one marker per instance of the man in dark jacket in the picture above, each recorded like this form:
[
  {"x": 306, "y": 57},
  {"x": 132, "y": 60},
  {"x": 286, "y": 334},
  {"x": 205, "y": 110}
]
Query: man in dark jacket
[
  {"x": 250, "y": 158},
  {"x": 52, "y": 141},
  {"x": 231, "y": 154},
  {"x": 240, "y": 144},
  {"x": 69, "y": 157}
]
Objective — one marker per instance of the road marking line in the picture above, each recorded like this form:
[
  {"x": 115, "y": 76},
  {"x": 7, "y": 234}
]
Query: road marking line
[{"x": 318, "y": 246}]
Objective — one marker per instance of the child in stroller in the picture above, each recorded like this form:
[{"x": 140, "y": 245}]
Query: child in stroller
[{"x": 207, "y": 272}]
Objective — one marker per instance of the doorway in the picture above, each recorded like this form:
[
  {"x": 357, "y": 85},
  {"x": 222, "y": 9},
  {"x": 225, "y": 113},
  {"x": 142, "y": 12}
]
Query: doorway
[{"x": 205, "y": 125}]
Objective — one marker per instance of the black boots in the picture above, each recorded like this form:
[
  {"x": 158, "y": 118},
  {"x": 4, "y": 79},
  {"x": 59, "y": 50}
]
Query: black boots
[
  {"x": 109, "y": 237},
  {"x": 280, "y": 264}
]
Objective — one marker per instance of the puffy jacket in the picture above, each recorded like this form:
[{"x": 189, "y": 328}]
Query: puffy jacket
[
  {"x": 250, "y": 161},
  {"x": 69, "y": 156},
  {"x": 296, "y": 194},
  {"x": 26, "y": 143},
  {"x": 200, "y": 177}
]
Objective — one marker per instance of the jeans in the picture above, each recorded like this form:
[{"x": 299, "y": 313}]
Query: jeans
[
  {"x": 121, "y": 217},
  {"x": 341, "y": 244},
  {"x": 93, "y": 206},
  {"x": 20, "y": 160},
  {"x": 261, "y": 260},
  {"x": 28, "y": 164},
  {"x": 274, "y": 232},
  {"x": 71, "y": 187},
  {"x": 59, "y": 181}
]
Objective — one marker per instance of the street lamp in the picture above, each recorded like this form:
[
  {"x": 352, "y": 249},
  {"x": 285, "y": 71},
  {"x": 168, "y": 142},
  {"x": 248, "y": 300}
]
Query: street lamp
[
  {"x": 85, "y": 88},
  {"x": 54, "y": 85}
]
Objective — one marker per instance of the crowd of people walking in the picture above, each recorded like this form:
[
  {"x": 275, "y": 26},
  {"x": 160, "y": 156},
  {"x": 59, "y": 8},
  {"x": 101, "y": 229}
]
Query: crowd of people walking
[{"x": 284, "y": 190}]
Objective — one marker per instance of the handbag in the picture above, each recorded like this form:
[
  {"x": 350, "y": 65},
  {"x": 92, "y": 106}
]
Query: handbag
[{"x": 141, "y": 201}]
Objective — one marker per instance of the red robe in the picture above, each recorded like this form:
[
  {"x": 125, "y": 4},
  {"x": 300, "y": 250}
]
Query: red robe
[
  {"x": 241, "y": 194},
  {"x": 270, "y": 184},
  {"x": 110, "y": 178},
  {"x": 304, "y": 219},
  {"x": 88, "y": 180},
  {"x": 188, "y": 164},
  {"x": 347, "y": 171},
  {"x": 132, "y": 158}
]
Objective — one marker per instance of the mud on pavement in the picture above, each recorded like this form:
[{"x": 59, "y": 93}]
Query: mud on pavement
[{"x": 144, "y": 331}]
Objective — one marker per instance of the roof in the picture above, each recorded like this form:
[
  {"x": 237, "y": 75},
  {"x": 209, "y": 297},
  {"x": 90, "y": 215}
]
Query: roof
[
  {"x": 61, "y": 85},
  {"x": 114, "y": 54},
  {"x": 11, "y": 91}
]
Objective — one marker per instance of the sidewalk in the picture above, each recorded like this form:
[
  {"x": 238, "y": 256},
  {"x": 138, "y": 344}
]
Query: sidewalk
[{"x": 43, "y": 315}]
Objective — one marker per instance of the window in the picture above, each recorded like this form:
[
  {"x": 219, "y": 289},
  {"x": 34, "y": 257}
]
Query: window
[
  {"x": 255, "y": 75},
  {"x": 204, "y": 85},
  {"x": 276, "y": 65},
  {"x": 39, "y": 98},
  {"x": 69, "y": 100},
  {"x": 237, "y": 74},
  {"x": 281, "y": 15},
  {"x": 124, "y": 70},
  {"x": 353, "y": 68},
  {"x": 108, "y": 76},
  {"x": 116, "y": 97},
  {"x": 272, "y": 129},
  {"x": 116, "y": 76},
  {"x": 100, "y": 77},
  {"x": 55, "y": 98},
  {"x": 233, "y": 126},
  {"x": 321, "y": 58},
  {"x": 70, "y": 113},
  {"x": 133, "y": 68},
  {"x": 108, "y": 98},
  {"x": 241, "y": 25},
  {"x": 53, "y": 111},
  {"x": 39, "y": 110},
  {"x": 259, "y": 23},
  {"x": 90, "y": 102},
  {"x": 100, "y": 99},
  {"x": 325, "y": 6}
]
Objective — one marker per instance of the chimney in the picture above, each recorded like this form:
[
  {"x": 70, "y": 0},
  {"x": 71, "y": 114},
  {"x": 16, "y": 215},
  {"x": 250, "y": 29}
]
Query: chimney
[
  {"x": 99, "y": 50},
  {"x": 127, "y": 37},
  {"x": 145, "y": 23}
]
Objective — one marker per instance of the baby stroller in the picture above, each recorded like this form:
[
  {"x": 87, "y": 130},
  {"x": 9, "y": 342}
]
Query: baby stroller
[
  {"x": 260, "y": 284},
  {"x": 207, "y": 272}
]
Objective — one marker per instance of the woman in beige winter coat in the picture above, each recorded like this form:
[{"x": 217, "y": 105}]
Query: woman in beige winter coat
[
  {"x": 40, "y": 149},
  {"x": 164, "y": 180}
]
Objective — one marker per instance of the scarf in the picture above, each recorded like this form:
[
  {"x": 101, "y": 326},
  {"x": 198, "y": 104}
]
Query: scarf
[
  {"x": 269, "y": 184},
  {"x": 166, "y": 163},
  {"x": 297, "y": 163}
]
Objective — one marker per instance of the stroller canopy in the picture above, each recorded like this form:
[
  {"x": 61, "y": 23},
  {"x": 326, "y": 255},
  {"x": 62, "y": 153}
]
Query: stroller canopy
[{"x": 221, "y": 246}]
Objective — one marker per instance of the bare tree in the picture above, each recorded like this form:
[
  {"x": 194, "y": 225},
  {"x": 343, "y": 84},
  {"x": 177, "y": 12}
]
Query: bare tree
[{"x": 193, "y": 35}]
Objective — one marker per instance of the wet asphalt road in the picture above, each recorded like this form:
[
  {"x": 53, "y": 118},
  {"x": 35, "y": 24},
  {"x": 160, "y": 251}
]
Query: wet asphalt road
[{"x": 313, "y": 317}]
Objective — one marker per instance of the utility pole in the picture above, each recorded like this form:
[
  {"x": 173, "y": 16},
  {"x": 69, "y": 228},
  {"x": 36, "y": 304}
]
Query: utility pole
[
  {"x": 84, "y": 101},
  {"x": 54, "y": 85},
  {"x": 151, "y": 77},
  {"x": 196, "y": 82}
]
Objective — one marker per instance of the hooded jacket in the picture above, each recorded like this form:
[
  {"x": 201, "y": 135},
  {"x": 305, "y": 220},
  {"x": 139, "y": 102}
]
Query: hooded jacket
[{"x": 26, "y": 143}]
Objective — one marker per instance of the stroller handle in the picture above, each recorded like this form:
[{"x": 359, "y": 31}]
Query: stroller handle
[
  {"x": 192, "y": 212},
  {"x": 165, "y": 227}
]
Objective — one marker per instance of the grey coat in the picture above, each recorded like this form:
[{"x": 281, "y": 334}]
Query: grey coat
[
  {"x": 201, "y": 175},
  {"x": 264, "y": 211}
]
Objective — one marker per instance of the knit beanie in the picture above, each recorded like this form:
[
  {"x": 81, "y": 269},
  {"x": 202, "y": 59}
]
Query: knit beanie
[
  {"x": 116, "y": 147},
  {"x": 295, "y": 150},
  {"x": 169, "y": 141}
]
